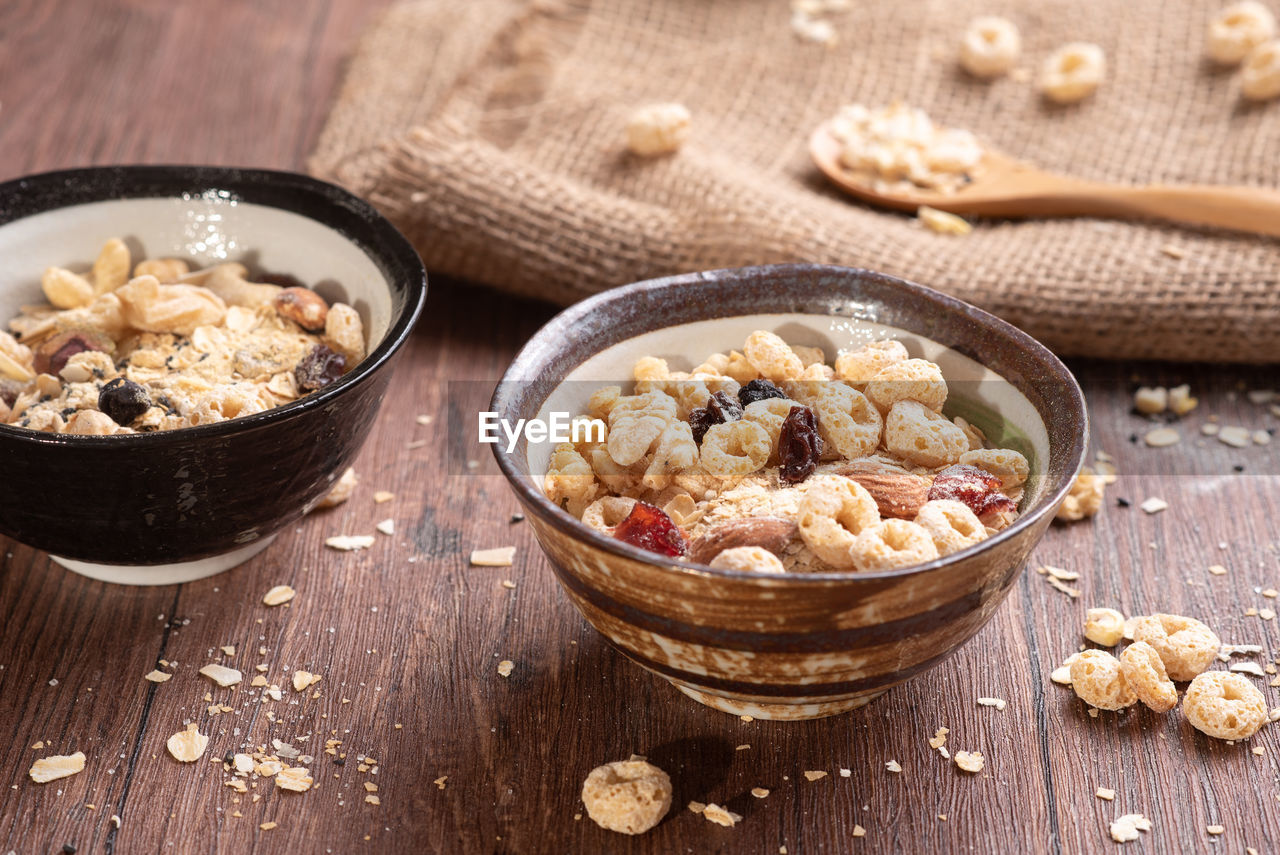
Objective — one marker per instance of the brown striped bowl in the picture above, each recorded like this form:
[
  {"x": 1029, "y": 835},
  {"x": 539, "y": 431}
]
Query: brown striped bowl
[{"x": 805, "y": 645}]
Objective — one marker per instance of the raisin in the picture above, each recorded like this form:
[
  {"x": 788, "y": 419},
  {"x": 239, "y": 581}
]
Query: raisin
[
  {"x": 123, "y": 400},
  {"x": 759, "y": 390},
  {"x": 799, "y": 445},
  {"x": 720, "y": 408},
  {"x": 319, "y": 368},
  {"x": 650, "y": 528},
  {"x": 284, "y": 280},
  {"x": 977, "y": 488}
]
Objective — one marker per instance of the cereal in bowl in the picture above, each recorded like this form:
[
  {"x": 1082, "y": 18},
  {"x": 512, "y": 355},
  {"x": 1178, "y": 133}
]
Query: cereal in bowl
[
  {"x": 139, "y": 347},
  {"x": 770, "y": 459}
]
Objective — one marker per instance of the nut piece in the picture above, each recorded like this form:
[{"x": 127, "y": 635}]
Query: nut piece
[
  {"x": 1186, "y": 646},
  {"x": 1104, "y": 626},
  {"x": 769, "y": 533},
  {"x": 658, "y": 129},
  {"x": 1224, "y": 706},
  {"x": 1073, "y": 72},
  {"x": 48, "y": 769},
  {"x": 1238, "y": 29},
  {"x": 187, "y": 746},
  {"x": 1097, "y": 680},
  {"x": 749, "y": 559},
  {"x": 990, "y": 47},
  {"x": 897, "y": 492},
  {"x": 303, "y": 306},
  {"x": 1145, "y": 674},
  {"x": 629, "y": 796}
]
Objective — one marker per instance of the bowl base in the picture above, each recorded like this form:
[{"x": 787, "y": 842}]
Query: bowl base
[
  {"x": 777, "y": 712},
  {"x": 165, "y": 574}
]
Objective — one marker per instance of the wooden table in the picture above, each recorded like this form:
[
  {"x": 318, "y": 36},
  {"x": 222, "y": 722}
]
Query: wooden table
[{"x": 407, "y": 636}]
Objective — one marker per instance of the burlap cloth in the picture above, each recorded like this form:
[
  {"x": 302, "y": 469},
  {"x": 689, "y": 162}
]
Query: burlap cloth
[{"x": 491, "y": 133}]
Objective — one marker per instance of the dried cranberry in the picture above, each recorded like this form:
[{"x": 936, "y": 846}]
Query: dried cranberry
[
  {"x": 759, "y": 390},
  {"x": 123, "y": 401},
  {"x": 720, "y": 408},
  {"x": 799, "y": 445},
  {"x": 977, "y": 488},
  {"x": 52, "y": 356},
  {"x": 650, "y": 528},
  {"x": 319, "y": 368}
]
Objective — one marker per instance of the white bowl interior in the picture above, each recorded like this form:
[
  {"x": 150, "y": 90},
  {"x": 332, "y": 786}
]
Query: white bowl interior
[
  {"x": 977, "y": 393},
  {"x": 204, "y": 230}
]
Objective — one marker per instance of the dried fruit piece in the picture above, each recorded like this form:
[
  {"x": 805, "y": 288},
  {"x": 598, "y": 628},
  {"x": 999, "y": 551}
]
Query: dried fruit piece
[
  {"x": 629, "y": 796},
  {"x": 650, "y": 528},
  {"x": 759, "y": 390},
  {"x": 52, "y": 355},
  {"x": 188, "y": 745},
  {"x": 123, "y": 400},
  {"x": 799, "y": 445},
  {"x": 319, "y": 368},
  {"x": 975, "y": 487},
  {"x": 48, "y": 769},
  {"x": 720, "y": 408}
]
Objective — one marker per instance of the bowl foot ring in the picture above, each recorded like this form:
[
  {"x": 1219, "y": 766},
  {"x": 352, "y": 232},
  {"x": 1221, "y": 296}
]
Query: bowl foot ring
[
  {"x": 798, "y": 711},
  {"x": 165, "y": 574}
]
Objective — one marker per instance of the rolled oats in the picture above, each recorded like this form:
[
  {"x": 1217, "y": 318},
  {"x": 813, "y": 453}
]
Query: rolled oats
[
  {"x": 279, "y": 595},
  {"x": 222, "y": 675},
  {"x": 188, "y": 745},
  {"x": 48, "y": 769}
]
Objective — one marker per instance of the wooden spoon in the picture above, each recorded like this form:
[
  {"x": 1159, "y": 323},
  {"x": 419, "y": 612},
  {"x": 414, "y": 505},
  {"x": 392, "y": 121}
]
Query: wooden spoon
[{"x": 1004, "y": 187}]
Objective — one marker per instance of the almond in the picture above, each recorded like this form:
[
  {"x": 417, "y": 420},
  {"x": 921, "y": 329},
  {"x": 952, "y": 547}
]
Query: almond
[
  {"x": 304, "y": 307},
  {"x": 898, "y": 493},
  {"x": 770, "y": 533}
]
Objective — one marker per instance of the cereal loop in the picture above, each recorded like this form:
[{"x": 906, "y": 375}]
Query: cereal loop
[
  {"x": 1224, "y": 706},
  {"x": 848, "y": 422},
  {"x": 606, "y": 512},
  {"x": 1186, "y": 646},
  {"x": 831, "y": 515},
  {"x": 922, "y": 436},
  {"x": 750, "y": 559},
  {"x": 891, "y": 544},
  {"x": 735, "y": 449},
  {"x": 1098, "y": 681},
  {"x": 630, "y": 796},
  {"x": 859, "y": 366},
  {"x": 990, "y": 47},
  {"x": 772, "y": 356},
  {"x": 1008, "y": 465},
  {"x": 909, "y": 380},
  {"x": 1144, "y": 672},
  {"x": 952, "y": 525}
]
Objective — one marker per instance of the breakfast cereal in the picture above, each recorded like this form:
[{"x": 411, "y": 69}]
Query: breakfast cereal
[
  {"x": 628, "y": 796},
  {"x": 1224, "y": 706}
]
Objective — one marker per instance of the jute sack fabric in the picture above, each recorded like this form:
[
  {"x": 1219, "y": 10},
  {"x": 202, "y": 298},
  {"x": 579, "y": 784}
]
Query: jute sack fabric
[{"x": 491, "y": 133}]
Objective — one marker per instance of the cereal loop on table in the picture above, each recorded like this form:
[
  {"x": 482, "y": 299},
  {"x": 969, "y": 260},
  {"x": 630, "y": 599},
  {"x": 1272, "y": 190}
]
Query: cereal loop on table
[
  {"x": 910, "y": 380},
  {"x": 952, "y": 525},
  {"x": 735, "y": 449},
  {"x": 990, "y": 47},
  {"x": 831, "y": 515},
  {"x": 848, "y": 421},
  {"x": 629, "y": 796},
  {"x": 772, "y": 357},
  {"x": 1144, "y": 672},
  {"x": 1072, "y": 72},
  {"x": 1224, "y": 705},
  {"x": 1008, "y": 465},
  {"x": 891, "y": 544},
  {"x": 1098, "y": 681},
  {"x": 1186, "y": 646},
  {"x": 1260, "y": 76},
  {"x": 751, "y": 559},
  {"x": 922, "y": 436},
  {"x": 859, "y": 366},
  {"x": 1238, "y": 29}
]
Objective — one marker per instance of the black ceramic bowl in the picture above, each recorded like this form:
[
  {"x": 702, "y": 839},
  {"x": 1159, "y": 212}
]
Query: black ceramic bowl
[{"x": 176, "y": 505}]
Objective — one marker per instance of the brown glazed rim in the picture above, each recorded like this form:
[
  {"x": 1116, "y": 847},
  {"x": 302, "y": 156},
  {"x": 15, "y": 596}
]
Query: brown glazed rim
[{"x": 561, "y": 345}]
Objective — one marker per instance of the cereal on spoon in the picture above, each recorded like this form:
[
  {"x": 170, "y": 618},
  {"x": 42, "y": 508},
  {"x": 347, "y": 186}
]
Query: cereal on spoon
[
  {"x": 770, "y": 460},
  {"x": 167, "y": 348}
]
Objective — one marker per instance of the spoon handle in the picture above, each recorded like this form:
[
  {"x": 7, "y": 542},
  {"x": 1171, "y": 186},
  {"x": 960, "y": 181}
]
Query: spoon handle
[{"x": 1246, "y": 209}]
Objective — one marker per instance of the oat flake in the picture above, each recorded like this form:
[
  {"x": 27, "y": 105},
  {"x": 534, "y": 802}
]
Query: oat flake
[
  {"x": 222, "y": 675},
  {"x": 58, "y": 766},
  {"x": 279, "y": 595},
  {"x": 502, "y": 556},
  {"x": 188, "y": 745}
]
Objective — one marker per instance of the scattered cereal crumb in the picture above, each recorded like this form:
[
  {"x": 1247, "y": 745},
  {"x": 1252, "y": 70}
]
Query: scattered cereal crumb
[
  {"x": 1266, "y": 614},
  {"x": 1209, "y": 429},
  {"x": 157, "y": 676},
  {"x": 303, "y": 680},
  {"x": 696, "y": 807},
  {"x": 998, "y": 703},
  {"x": 278, "y": 595},
  {"x": 939, "y": 738},
  {"x": 341, "y": 490},
  {"x": 370, "y": 798},
  {"x": 658, "y": 129},
  {"x": 1217, "y": 570},
  {"x": 387, "y": 526},
  {"x": 1236, "y": 437},
  {"x": 1259, "y": 750},
  {"x": 743, "y": 747},
  {"x": 942, "y": 222},
  {"x": 1153, "y": 505},
  {"x": 222, "y": 675},
  {"x": 425, "y": 419},
  {"x": 36, "y": 746},
  {"x": 845, "y": 773},
  {"x": 628, "y": 796},
  {"x": 1261, "y": 437},
  {"x": 720, "y": 816},
  {"x": 295, "y": 778},
  {"x": 759, "y": 792},
  {"x": 267, "y": 826},
  {"x": 814, "y": 775},
  {"x": 1162, "y": 437},
  {"x": 1214, "y": 829},
  {"x": 1058, "y": 573},
  {"x": 502, "y": 556},
  {"x": 188, "y": 745},
  {"x": 970, "y": 761},
  {"x": 1151, "y": 400},
  {"x": 1059, "y": 585},
  {"x": 349, "y": 542},
  {"x": 48, "y": 769},
  {"x": 1105, "y": 793},
  {"x": 383, "y": 496},
  {"x": 1173, "y": 251},
  {"x": 858, "y": 831},
  {"x": 507, "y": 583},
  {"x": 1126, "y": 828},
  {"x": 892, "y": 766},
  {"x": 505, "y": 667},
  {"x": 439, "y": 782},
  {"x": 1248, "y": 668}
]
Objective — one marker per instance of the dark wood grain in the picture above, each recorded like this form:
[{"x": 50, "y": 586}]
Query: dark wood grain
[{"x": 411, "y": 635}]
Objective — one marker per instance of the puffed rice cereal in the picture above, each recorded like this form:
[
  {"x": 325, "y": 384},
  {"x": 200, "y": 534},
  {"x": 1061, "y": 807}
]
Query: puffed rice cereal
[
  {"x": 1185, "y": 645},
  {"x": 628, "y": 796},
  {"x": 923, "y": 436},
  {"x": 834, "y": 512},
  {"x": 1224, "y": 705},
  {"x": 1098, "y": 681},
  {"x": 1085, "y": 497},
  {"x": 899, "y": 147}
]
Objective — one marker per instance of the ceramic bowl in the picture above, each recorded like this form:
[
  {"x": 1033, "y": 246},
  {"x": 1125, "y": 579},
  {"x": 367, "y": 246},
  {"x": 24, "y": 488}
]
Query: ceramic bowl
[
  {"x": 171, "y": 506},
  {"x": 803, "y": 645}
]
